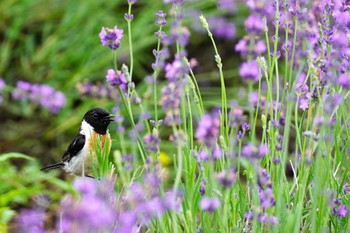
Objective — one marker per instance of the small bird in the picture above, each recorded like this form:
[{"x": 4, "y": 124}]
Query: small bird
[{"x": 77, "y": 158}]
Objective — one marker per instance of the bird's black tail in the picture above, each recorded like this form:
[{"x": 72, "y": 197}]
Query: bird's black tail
[{"x": 53, "y": 166}]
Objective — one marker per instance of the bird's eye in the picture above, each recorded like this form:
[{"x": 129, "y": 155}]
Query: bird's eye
[{"x": 95, "y": 115}]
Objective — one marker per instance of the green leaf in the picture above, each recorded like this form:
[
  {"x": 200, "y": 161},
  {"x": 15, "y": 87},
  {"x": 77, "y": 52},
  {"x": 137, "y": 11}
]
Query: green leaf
[{"x": 14, "y": 155}]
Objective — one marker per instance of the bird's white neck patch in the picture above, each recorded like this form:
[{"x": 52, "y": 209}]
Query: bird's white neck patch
[{"x": 86, "y": 129}]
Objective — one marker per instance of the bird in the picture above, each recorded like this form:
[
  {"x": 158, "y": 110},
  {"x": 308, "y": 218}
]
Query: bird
[{"x": 77, "y": 157}]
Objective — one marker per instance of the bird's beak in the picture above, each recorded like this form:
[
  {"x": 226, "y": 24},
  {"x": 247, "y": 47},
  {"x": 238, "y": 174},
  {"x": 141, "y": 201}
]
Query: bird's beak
[{"x": 110, "y": 118}]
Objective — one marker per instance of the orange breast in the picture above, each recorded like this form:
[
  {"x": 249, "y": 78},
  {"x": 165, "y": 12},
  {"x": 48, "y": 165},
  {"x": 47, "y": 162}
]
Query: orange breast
[{"x": 94, "y": 136}]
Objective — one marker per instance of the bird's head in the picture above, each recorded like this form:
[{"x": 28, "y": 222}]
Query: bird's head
[{"x": 99, "y": 119}]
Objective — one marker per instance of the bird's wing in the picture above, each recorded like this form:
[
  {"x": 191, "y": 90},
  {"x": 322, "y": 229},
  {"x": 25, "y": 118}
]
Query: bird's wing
[{"x": 73, "y": 149}]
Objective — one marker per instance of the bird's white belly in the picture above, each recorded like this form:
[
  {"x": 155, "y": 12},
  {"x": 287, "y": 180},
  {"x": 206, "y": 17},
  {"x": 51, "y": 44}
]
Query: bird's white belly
[{"x": 80, "y": 164}]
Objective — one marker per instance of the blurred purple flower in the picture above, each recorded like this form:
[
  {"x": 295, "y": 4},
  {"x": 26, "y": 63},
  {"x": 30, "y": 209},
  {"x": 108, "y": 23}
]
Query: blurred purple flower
[
  {"x": 254, "y": 24},
  {"x": 98, "y": 91},
  {"x": 344, "y": 80},
  {"x": 243, "y": 47},
  {"x": 222, "y": 28},
  {"x": 262, "y": 217},
  {"x": 209, "y": 204},
  {"x": 228, "y": 5},
  {"x": 152, "y": 141},
  {"x": 267, "y": 198},
  {"x": 111, "y": 37},
  {"x": 208, "y": 130},
  {"x": 117, "y": 78},
  {"x": 217, "y": 153},
  {"x": 31, "y": 221},
  {"x": 304, "y": 102},
  {"x": 99, "y": 208},
  {"x": 250, "y": 71},
  {"x": 236, "y": 116},
  {"x": 203, "y": 155},
  {"x": 41, "y": 94},
  {"x": 226, "y": 178},
  {"x": 170, "y": 101},
  {"x": 94, "y": 210},
  {"x": 252, "y": 152},
  {"x": 176, "y": 70}
]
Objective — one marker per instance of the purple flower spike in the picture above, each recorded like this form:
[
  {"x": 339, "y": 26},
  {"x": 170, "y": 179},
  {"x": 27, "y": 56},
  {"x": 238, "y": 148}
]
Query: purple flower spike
[
  {"x": 254, "y": 24},
  {"x": 111, "y": 37},
  {"x": 161, "y": 18},
  {"x": 208, "y": 130},
  {"x": 117, "y": 78},
  {"x": 31, "y": 221},
  {"x": 250, "y": 71},
  {"x": 208, "y": 204},
  {"x": 41, "y": 94},
  {"x": 344, "y": 80},
  {"x": 226, "y": 178}
]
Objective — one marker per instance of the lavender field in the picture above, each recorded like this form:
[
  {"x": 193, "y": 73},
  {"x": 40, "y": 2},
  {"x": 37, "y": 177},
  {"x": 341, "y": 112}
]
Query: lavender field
[{"x": 229, "y": 115}]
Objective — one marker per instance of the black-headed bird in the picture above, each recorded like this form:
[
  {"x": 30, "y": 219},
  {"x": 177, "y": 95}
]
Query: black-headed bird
[{"x": 77, "y": 159}]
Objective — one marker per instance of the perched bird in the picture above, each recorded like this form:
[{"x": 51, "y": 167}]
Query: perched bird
[{"x": 77, "y": 158}]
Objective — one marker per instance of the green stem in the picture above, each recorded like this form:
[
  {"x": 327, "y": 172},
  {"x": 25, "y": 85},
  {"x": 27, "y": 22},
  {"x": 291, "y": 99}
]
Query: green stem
[
  {"x": 129, "y": 114},
  {"x": 130, "y": 44},
  {"x": 223, "y": 88}
]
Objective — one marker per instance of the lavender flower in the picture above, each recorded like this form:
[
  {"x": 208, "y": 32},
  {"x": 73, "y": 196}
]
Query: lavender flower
[
  {"x": 128, "y": 17},
  {"x": 250, "y": 71},
  {"x": 152, "y": 141},
  {"x": 176, "y": 70},
  {"x": 117, "y": 78},
  {"x": 264, "y": 180},
  {"x": 267, "y": 198},
  {"x": 94, "y": 211},
  {"x": 254, "y": 24},
  {"x": 99, "y": 208},
  {"x": 31, "y": 221},
  {"x": 262, "y": 217},
  {"x": 202, "y": 187},
  {"x": 111, "y": 37},
  {"x": 172, "y": 91},
  {"x": 208, "y": 130},
  {"x": 236, "y": 116},
  {"x": 226, "y": 178},
  {"x": 245, "y": 126},
  {"x": 98, "y": 91},
  {"x": 222, "y": 28},
  {"x": 170, "y": 102},
  {"x": 252, "y": 152},
  {"x": 228, "y": 5},
  {"x": 217, "y": 153},
  {"x": 161, "y": 18},
  {"x": 209, "y": 204},
  {"x": 243, "y": 47},
  {"x": 344, "y": 80},
  {"x": 43, "y": 95},
  {"x": 338, "y": 209}
]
